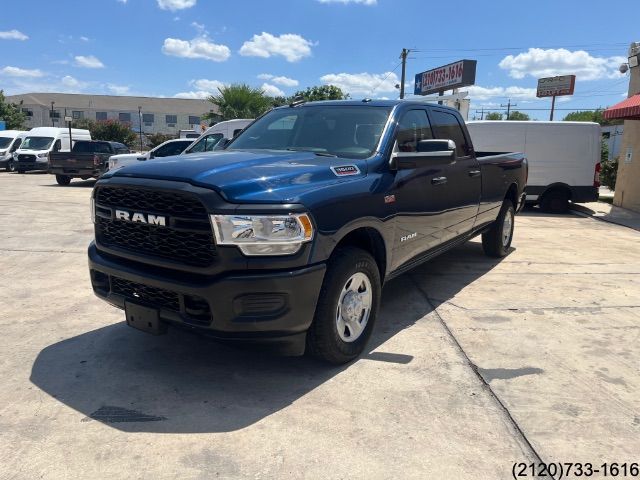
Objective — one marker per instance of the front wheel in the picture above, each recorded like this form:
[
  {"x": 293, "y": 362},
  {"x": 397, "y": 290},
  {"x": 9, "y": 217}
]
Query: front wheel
[
  {"x": 497, "y": 240},
  {"x": 347, "y": 307},
  {"x": 63, "y": 179},
  {"x": 11, "y": 167}
]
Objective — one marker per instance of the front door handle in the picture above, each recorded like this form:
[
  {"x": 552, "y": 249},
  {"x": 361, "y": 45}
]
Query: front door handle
[
  {"x": 439, "y": 180},
  {"x": 474, "y": 173}
]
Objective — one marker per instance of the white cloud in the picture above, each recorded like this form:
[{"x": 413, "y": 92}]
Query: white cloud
[
  {"x": 118, "y": 89},
  {"x": 207, "y": 85},
  {"x": 291, "y": 46},
  {"x": 538, "y": 62},
  {"x": 200, "y": 47},
  {"x": 476, "y": 92},
  {"x": 363, "y": 2},
  {"x": 174, "y": 5},
  {"x": 362, "y": 83},
  {"x": 198, "y": 94},
  {"x": 272, "y": 90},
  {"x": 20, "y": 72},
  {"x": 84, "y": 39},
  {"x": 13, "y": 35},
  {"x": 69, "y": 81},
  {"x": 88, "y": 61},
  {"x": 122, "y": 1},
  {"x": 203, "y": 89},
  {"x": 284, "y": 81}
]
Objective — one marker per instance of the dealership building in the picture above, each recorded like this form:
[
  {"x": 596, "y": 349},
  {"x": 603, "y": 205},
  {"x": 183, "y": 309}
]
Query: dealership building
[
  {"x": 157, "y": 115},
  {"x": 627, "y": 194}
]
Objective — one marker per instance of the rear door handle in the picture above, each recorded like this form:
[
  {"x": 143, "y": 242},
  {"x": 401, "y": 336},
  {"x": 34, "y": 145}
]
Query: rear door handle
[
  {"x": 439, "y": 180},
  {"x": 474, "y": 173}
]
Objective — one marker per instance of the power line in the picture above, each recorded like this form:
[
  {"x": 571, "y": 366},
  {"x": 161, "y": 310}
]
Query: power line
[{"x": 385, "y": 78}]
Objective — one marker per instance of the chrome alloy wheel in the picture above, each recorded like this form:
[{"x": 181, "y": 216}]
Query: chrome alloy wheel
[
  {"x": 354, "y": 307},
  {"x": 507, "y": 228}
]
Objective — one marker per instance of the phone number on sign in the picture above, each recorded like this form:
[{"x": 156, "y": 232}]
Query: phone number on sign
[{"x": 575, "y": 470}]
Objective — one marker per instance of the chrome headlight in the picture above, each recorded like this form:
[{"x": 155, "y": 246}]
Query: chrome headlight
[
  {"x": 263, "y": 234},
  {"x": 42, "y": 155}
]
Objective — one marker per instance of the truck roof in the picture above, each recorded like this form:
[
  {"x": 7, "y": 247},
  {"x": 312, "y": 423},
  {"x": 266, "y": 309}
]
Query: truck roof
[{"x": 372, "y": 103}]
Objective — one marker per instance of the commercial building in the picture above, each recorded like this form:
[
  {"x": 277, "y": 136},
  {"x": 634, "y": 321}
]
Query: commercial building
[
  {"x": 158, "y": 115},
  {"x": 628, "y": 183}
]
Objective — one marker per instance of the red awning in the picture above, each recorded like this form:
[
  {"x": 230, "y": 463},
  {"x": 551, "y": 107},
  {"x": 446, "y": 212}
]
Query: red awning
[{"x": 628, "y": 109}]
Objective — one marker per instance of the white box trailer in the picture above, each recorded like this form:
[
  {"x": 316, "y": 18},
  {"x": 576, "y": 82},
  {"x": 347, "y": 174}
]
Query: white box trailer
[{"x": 564, "y": 157}]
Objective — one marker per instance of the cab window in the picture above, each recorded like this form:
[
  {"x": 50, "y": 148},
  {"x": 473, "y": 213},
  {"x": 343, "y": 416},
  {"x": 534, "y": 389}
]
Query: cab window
[
  {"x": 413, "y": 127},
  {"x": 206, "y": 143},
  {"x": 447, "y": 127}
]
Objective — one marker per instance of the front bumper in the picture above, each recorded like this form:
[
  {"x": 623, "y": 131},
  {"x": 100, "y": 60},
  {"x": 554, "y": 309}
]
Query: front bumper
[
  {"x": 24, "y": 165},
  {"x": 273, "y": 308}
]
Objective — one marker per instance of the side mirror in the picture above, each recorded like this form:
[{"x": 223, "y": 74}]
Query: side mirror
[{"x": 429, "y": 152}]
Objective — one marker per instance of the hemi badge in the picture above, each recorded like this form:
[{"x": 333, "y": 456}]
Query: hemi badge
[{"x": 345, "y": 170}]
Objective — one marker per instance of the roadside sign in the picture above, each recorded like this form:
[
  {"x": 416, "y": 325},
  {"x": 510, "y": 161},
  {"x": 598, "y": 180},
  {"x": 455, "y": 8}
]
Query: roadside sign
[
  {"x": 454, "y": 75},
  {"x": 68, "y": 119},
  {"x": 556, "y": 86}
]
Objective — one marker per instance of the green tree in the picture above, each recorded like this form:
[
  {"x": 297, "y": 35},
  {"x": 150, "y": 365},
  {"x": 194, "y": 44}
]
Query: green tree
[
  {"x": 516, "y": 115},
  {"x": 322, "y": 92},
  {"x": 109, "y": 130},
  {"x": 240, "y": 101},
  {"x": 493, "y": 116},
  {"x": 608, "y": 168},
  {"x": 590, "y": 116},
  {"x": 12, "y": 114},
  {"x": 156, "y": 139}
]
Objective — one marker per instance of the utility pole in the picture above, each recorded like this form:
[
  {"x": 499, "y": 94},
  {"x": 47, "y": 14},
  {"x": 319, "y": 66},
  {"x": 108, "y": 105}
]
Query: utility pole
[
  {"x": 403, "y": 56},
  {"x": 481, "y": 112},
  {"x": 52, "y": 104},
  {"x": 509, "y": 105}
]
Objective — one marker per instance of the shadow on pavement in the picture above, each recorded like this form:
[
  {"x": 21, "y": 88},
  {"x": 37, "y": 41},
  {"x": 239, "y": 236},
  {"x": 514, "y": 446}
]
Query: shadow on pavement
[
  {"x": 74, "y": 183},
  {"x": 182, "y": 383}
]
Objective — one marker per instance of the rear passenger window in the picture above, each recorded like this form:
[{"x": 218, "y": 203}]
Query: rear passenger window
[
  {"x": 413, "y": 127},
  {"x": 446, "y": 127}
]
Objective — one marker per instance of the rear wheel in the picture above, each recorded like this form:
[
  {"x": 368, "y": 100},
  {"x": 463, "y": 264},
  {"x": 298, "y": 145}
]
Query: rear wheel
[
  {"x": 555, "y": 201},
  {"x": 347, "y": 307},
  {"x": 11, "y": 167},
  {"x": 497, "y": 240},
  {"x": 63, "y": 179}
]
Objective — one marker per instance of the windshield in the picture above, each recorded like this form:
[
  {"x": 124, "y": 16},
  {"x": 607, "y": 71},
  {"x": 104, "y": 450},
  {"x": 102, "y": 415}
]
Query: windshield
[
  {"x": 343, "y": 131},
  {"x": 37, "y": 143},
  {"x": 5, "y": 141},
  {"x": 206, "y": 143}
]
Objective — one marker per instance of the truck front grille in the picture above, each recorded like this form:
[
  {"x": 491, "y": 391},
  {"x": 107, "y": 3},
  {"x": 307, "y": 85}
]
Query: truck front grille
[
  {"x": 187, "y": 238},
  {"x": 26, "y": 158}
]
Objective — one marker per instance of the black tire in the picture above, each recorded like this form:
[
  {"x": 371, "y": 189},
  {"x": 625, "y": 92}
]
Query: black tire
[
  {"x": 323, "y": 340},
  {"x": 11, "y": 167},
  {"x": 63, "y": 179},
  {"x": 19, "y": 171},
  {"x": 494, "y": 241},
  {"x": 555, "y": 201}
]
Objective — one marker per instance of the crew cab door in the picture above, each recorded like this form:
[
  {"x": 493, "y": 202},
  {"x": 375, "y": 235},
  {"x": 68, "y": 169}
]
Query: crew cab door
[
  {"x": 416, "y": 190},
  {"x": 464, "y": 180}
]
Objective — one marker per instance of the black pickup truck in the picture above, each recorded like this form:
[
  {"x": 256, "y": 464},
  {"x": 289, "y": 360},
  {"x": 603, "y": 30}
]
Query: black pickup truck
[
  {"x": 87, "y": 159},
  {"x": 287, "y": 236}
]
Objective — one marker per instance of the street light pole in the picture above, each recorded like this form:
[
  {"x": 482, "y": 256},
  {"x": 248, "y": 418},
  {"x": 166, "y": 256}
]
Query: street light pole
[
  {"x": 51, "y": 114},
  {"x": 140, "y": 123}
]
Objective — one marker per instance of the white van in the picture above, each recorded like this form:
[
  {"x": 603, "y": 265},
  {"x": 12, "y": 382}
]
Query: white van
[
  {"x": 10, "y": 141},
  {"x": 34, "y": 152},
  {"x": 564, "y": 157},
  {"x": 213, "y": 135}
]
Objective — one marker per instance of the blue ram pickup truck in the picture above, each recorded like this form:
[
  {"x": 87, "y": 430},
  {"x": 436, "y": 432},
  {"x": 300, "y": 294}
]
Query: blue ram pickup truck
[{"x": 286, "y": 236}]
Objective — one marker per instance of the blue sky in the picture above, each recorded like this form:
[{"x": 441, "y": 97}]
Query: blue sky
[{"x": 189, "y": 47}]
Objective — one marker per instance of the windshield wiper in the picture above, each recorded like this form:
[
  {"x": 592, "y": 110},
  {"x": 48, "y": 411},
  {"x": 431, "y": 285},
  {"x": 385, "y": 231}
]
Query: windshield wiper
[{"x": 320, "y": 154}]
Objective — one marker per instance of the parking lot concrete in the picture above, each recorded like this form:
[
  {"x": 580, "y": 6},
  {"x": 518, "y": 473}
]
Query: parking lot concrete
[{"x": 475, "y": 364}]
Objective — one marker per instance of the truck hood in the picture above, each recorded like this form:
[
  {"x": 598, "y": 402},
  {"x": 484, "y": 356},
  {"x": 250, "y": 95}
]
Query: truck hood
[{"x": 250, "y": 176}]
